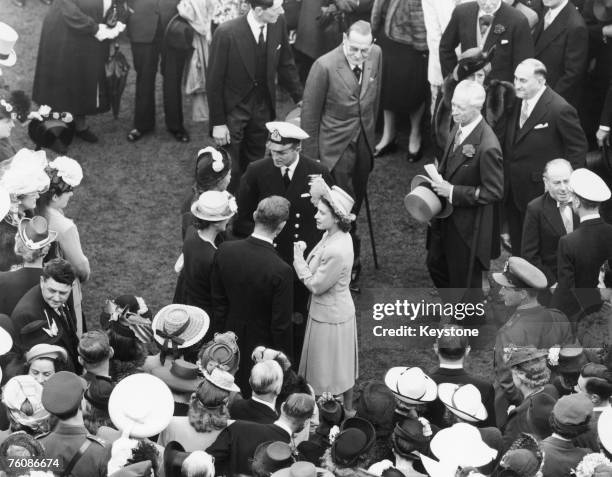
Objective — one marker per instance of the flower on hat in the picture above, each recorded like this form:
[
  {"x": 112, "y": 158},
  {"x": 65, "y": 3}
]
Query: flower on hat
[
  {"x": 233, "y": 206},
  {"x": 217, "y": 157},
  {"x": 68, "y": 169},
  {"x": 44, "y": 110},
  {"x": 66, "y": 117},
  {"x": 427, "y": 432},
  {"x": 6, "y": 105},
  {"x": 553, "y": 355},
  {"x": 333, "y": 433},
  {"x": 588, "y": 464}
]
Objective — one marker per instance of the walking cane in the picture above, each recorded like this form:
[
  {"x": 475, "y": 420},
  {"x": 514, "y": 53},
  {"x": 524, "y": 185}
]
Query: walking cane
[
  {"x": 473, "y": 248},
  {"x": 369, "y": 218}
]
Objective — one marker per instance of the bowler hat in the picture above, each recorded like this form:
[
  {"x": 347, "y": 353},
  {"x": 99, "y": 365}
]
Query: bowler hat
[
  {"x": 35, "y": 232},
  {"x": 181, "y": 376},
  {"x": 271, "y": 456},
  {"x": 423, "y": 203},
  {"x": 602, "y": 9}
]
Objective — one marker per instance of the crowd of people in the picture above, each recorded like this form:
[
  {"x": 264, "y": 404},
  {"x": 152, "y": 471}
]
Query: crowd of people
[{"x": 253, "y": 367}]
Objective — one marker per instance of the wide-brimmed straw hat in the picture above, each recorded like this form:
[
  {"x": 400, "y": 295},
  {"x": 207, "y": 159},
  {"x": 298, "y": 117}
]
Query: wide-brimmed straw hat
[
  {"x": 180, "y": 326},
  {"x": 462, "y": 445},
  {"x": 8, "y": 38},
  {"x": 35, "y": 232},
  {"x": 222, "y": 379},
  {"x": 411, "y": 385},
  {"x": 141, "y": 404},
  {"x": 423, "y": 204},
  {"x": 182, "y": 376},
  {"x": 214, "y": 206},
  {"x": 464, "y": 401},
  {"x": 340, "y": 201}
]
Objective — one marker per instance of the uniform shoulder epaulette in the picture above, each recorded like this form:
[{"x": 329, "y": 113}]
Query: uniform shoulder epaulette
[{"x": 97, "y": 440}]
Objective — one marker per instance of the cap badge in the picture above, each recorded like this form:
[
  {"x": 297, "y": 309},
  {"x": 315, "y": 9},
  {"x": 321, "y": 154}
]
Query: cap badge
[{"x": 276, "y": 136}]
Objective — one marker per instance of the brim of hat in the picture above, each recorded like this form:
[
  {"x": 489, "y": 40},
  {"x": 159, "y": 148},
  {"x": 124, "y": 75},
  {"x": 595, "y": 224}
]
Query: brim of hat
[
  {"x": 142, "y": 388},
  {"x": 175, "y": 383},
  {"x": 431, "y": 391},
  {"x": 232, "y": 388},
  {"x": 11, "y": 60},
  {"x": 601, "y": 12},
  {"x": 194, "y": 313},
  {"x": 286, "y": 472},
  {"x": 5, "y": 203},
  {"x": 48, "y": 354},
  {"x": 445, "y": 394},
  {"x": 501, "y": 279},
  {"x": 209, "y": 218},
  {"x": 438, "y": 469},
  {"x": 36, "y": 245},
  {"x": 447, "y": 207},
  {"x": 604, "y": 429},
  {"x": 478, "y": 455},
  {"x": 171, "y": 450},
  {"x": 6, "y": 342},
  {"x": 536, "y": 355}
]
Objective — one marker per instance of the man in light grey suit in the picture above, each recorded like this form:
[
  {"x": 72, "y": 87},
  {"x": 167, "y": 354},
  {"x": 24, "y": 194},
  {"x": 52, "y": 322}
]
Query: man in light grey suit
[{"x": 339, "y": 112}]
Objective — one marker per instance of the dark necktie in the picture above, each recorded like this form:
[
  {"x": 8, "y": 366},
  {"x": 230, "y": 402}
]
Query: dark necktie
[
  {"x": 286, "y": 178},
  {"x": 64, "y": 316},
  {"x": 357, "y": 73},
  {"x": 261, "y": 42},
  {"x": 485, "y": 22}
]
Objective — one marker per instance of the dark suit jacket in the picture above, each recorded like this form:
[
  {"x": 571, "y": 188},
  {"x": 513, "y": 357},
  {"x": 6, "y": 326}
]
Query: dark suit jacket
[
  {"x": 542, "y": 229},
  {"x": 263, "y": 179},
  {"x": 475, "y": 171},
  {"x": 563, "y": 47},
  {"x": 509, "y": 32},
  {"x": 235, "y": 445},
  {"x": 551, "y": 131},
  {"x": 248, "y": 410},
  {"x": 252, "y": 295},
  {"x": 580, "y": 256},
  {"x": 336, "y": 108},
  {"x": 561, "y": 457},
  {"x": 14, "y": 285},
  {"x": 146, "y": 16},
  {"x": 231, "y": 66},
  {"x": 435, "y": 411},
  {"x": 32, "y": 307}
]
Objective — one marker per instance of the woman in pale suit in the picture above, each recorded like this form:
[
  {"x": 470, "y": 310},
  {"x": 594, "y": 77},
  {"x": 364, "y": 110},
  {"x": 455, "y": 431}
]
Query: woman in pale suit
[{"x": 329, "y": 357}]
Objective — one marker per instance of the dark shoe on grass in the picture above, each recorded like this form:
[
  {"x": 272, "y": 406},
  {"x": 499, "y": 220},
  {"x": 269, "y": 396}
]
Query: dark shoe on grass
[
  {"x": 86, "y": 135},
  {"x": 134, "y": 135},
  {"x": 180, "y": 136}
]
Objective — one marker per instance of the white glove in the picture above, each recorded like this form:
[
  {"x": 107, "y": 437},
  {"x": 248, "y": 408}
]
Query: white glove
[
  {"x": 114, "y": 32},
  {"x": 102, "y": 33}
]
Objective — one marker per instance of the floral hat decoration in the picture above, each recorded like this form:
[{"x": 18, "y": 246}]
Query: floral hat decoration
[
  {"x": 341, "y": 202},
  {"x": 16, "y": 106},
  {"x": 51, "y": 129},
  {"x": 65, "y": 174}
]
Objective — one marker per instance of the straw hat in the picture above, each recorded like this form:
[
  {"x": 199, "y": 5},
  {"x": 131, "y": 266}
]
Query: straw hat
[
  {"x": 35, "y": 232},
  {"x": 141, "y": 404},
  {"x": 180, "y": 326},
  {"x": 423, "y": 203},
  {"x": 461, "y": 445},
  {"x": 341, "y": 202},
  {"x": 411, "y": 385},
  {"x": 8, "y": 38},
  {"x": 26, "y": 173},
  {"x": 222, "y": 379},
  {"x": 464, "y": 401},
  {"x": 214, "y": 206},
  {"x": 44, "y": 350}
]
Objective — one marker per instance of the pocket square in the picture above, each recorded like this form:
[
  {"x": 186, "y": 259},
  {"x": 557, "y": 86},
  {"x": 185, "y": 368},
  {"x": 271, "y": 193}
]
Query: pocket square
[
  {"x": 541, "y": 126},
  {"x": 505, "y": 42}
]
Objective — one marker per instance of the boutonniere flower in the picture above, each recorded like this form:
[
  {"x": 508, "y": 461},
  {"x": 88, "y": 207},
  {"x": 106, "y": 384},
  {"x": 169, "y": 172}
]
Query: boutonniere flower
[
  {"x": 499, "y": 29},
  {"x": 468, "y": 150}
]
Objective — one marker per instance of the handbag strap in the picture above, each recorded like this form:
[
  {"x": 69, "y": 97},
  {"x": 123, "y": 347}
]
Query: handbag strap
[{"x": 76, "y": 458}]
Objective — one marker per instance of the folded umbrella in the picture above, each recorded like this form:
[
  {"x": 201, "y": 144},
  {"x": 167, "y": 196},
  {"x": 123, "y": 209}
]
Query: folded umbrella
[{"x": 117, "y": 68}]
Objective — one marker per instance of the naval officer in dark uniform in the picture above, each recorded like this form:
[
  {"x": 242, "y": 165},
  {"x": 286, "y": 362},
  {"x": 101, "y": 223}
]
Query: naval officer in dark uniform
[
  {"x": 286, "y": 173},
  {"x": 79, "y": 454}
]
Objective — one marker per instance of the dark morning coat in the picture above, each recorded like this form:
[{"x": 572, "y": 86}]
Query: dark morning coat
[
  {"x": 146, "y": 16},
  {"x": 231, "y": 66},
  {"x": 70, "y": 61},
  {"x": 551, "y": 131},
  {"x": 563, "y": 48},
  {"x": 542, "y": 229},
  {"x": 252, "y": 295},
  {"x": 509, "y": 32},
  {"x": 235, "y": 445},
  {"x": 249, "y": 410},
  {"x": 580, "y": 256},
  {"x": 263, "y": 179},
  {"x": 483, "y": 171}
]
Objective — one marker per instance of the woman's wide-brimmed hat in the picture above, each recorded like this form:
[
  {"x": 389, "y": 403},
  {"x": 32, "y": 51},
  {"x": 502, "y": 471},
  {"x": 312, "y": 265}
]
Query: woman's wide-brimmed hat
[
  {"x": 26, "y": 173},
  {"x": 214, "y": 206},
  {"x": 364, "y": 426},
  {"x": 602, "y": 9},
  {"x": 8, "y": 38},
  {"x": 223, "y": 350},
  {"x": 411, "y": 385},
  {"x": 222, "y": 379},
  {"x": 461, "y": 445},
  {"x": 35, "y": 232},
  {"x": 465, "y": 401},
  {"x": 44, "y": 350},
  {"x": 182, "y": 376},
  {"x": 423, "y": 203},
  {"x": 270, "y": 457},
  {"x": 141, "y": 404},
  {"x": 604, "y": 429},
  {"x": 180, "y": 326},
  {"x": 340, "y": 201}
]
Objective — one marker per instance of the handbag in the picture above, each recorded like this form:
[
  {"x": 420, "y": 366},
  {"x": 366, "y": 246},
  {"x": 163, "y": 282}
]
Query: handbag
[{"x": 179, "y": 34}]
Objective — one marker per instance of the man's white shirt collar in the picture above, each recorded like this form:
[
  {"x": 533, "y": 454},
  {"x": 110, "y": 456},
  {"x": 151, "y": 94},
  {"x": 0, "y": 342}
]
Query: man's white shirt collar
[
  {"x": 469, "y": 127},
  {"x": 554, "y": 12},
  {"x": 290, "y": 168},
  {"x": 534, "y": 100},
  {"x": 260, "y": 237},
  {"x": 256, "y": 26},
  {"x": 589, "y": 217},
  {"x": 265, "y": 403}
]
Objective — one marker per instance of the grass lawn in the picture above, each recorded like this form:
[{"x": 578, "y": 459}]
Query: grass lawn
[{"x": 127, "y": 207}]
